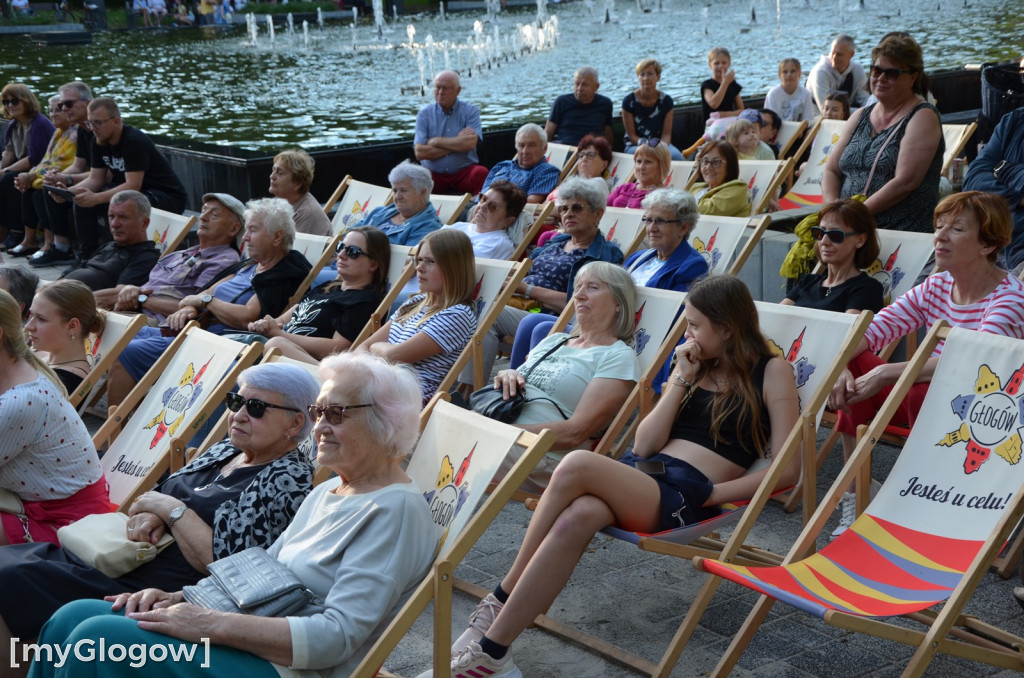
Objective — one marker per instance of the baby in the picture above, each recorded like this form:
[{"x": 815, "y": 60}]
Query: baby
[
  {"x": 791, "y": 100},
  {"x": 720, "y": 93}
]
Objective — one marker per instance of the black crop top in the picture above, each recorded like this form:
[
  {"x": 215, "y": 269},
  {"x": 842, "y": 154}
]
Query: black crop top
[{"x": 693, "y": 424}]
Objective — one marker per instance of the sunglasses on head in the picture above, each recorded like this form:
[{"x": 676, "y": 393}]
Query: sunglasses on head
[
  {"x": 575, "y": 208},
  {"x": 834, "y": 234},
  {"x": 889, "y": 73},
  {"x": 351, "y": 251},
  {"x": 653, "y": 143},
  {"x": 255, "y": 408},
  {"x": 334, "y": 414}
]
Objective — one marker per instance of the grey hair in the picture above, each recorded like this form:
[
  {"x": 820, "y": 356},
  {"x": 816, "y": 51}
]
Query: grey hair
[
  {"x": 278, "y": 217},
  {"x": 79, "y": 88},
  {"x": 21, "y": 284},
  {"x": 593, "y": 191},
  {"x": 54, "y": 99},
  {"x": 532, "y": 128},
  {"x": 453, "y": 74},
  {"x": 142, "y": 206},
  {"x": 295, "y": 385},
  {"x": 417, "y": 175},
  {"x": 623, "y": 291},
  {"x": 682, "y": 203},
  {"x": 845, "y": 40},
  {"x": 587, "y": 72},
  {"x": 392, "y": 389}
]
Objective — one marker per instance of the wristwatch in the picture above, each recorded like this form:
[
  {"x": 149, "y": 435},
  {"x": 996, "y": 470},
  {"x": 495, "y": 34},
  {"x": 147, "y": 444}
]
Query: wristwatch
[
  {"x": 998, "y": 168},
  {"x": 142, "y": 299},
  {"x": 206, "y": 299},
  {"x": 175, "y": 515}
]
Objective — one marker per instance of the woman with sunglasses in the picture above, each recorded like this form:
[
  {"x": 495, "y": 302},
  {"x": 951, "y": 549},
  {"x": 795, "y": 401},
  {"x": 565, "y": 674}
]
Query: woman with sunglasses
[
  {"x": 891, "y": 151},
  {"x": 847, "y": 243},
  {"x": 25, "y": 141},
  {"x": 330, "y": 316},
  {"x": 651, "y": 164},
  {"x": 242, "y": 492},
  {"x": 717, "y": 185},
  {"x": 362, "y": 542}
]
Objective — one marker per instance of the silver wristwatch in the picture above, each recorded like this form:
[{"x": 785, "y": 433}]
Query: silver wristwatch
[{"x": 175, "y": 515}]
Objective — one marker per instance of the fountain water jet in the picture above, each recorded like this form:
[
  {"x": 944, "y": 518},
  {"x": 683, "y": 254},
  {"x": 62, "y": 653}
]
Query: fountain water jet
[
  {"x": 305, "y": 34},
  {"x": 291, "y": 24},
  {"x": 270, "y": 28}
]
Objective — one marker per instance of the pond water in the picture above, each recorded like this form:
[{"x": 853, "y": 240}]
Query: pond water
[{"x": 342, "y": 85}]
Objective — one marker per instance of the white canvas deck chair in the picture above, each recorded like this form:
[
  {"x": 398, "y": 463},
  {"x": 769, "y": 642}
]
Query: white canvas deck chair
[
  {"x": 620, "y": 169},
  {"x": 763, "y": 179},
  {"x": 354, "y": 200},
  {"x": 173, "y": 400},
  {"x": 956, "y": 137},
  {"x": 456, "y": 457},
  {"x": 101, "y": 350},
  {"x": 496, "y": 280},
  {"x": 563, "y": 157},
  {"x": 318, "y": 250},
  {"x": 934, "y": 527},
  {"x": 717, "y": 239},
  {"x": 806, "y": 191},
  {"x": 449, "y": 207},
  {"x": 167, "y": 229},
  {"x": 681, "y": 174},
  {"x": 788, "y": 135},
  {"x": 526, "y": 228},
  {"x": 621, "y": 225},
  {"x": 810, "y": 340},
  {"x": 400, "y": 272}
]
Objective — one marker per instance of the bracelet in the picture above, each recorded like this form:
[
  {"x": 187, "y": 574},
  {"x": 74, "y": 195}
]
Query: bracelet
[
  {"x": 529, "y": 291},
  {"x": 682, "y": 382}
]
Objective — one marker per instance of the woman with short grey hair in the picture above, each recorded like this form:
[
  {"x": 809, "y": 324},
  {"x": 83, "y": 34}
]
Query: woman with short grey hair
[
  {"x": 295, "y": 386},
  {"x": 671, "y": 263},
  {"x": 411, "y": 216},
  {"x": 276, "y": 216}
]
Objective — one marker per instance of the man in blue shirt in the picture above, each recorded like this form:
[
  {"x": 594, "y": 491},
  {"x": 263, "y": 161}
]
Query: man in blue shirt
[
  {"x": 447, "y": 133},
  {"x": 528, "y": 170},
  {"x": 574, "y": 116}
]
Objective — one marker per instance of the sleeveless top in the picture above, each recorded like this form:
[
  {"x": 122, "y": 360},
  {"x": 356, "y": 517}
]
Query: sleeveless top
[
  {"x": 914, "y": 212},
  {"x": 735, "y": 444}
]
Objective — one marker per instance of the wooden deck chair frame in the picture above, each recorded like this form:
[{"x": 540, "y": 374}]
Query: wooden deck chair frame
[
  {"x": 338, "y": 198},
  {"x": 112, "y": 428},
  {"x": 621, "y": 169},
  {"x": 104, "y": 356},
  {"x": 449, "y": 207},
  {"x": 438, "y": 585},
  {"x": 681, "y": 174},
  {"x": 783, "y": 169},
  {"x": 167, "y": 230},
  {"x": 512, "y": 273},
  {"x": 568, "y": 155},
  {"x": 954, "y": 149},
  {"x": 540, "y": 215},
  {"x": 404, "y": 268},
  {"x": 788, "y": 135},
  {"x": 318, "y": 266},
  {"x": 975, "y": 642},
  {"x": 813, "y": 144},
  {"x": 630, "y": 218},
  {"x": 727, "y": 263},
  {"x": 800, "y": 442}
]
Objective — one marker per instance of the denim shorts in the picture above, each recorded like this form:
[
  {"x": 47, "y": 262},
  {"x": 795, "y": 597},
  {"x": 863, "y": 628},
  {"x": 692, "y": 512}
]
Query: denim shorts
[{"x": 684, "y": 489}]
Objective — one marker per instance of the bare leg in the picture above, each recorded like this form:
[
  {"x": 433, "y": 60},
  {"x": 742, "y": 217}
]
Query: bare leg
[
  {"x": 587, "y": 492},
  {"x": 119, "y": 384},
  {"x": 6, "y": 670},
  {"x": 290, "y": 350}
]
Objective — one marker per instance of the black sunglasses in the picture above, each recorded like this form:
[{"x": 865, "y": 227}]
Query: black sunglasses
[
  {"x": 334, "y": 414},
  {"x": 10, "y": 102},
  {"x": 351, "y": 251},
  {"x": 68, "y": 103},
  {"x": 889, "y": 73},
  {"x": 255, "y": 408},
  {"x": 834, "y": 234}
]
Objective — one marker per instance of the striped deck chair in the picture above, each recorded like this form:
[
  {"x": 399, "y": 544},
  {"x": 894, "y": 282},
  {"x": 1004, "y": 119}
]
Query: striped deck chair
[
  {"x": 935, "y": 526},
  {"x": 806, "y": 192}
]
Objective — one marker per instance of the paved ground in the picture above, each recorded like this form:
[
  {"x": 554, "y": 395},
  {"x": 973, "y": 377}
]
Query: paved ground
[{"x": 637, "y": 599}]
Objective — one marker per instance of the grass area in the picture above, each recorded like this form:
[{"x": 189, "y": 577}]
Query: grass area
[{"x": 293, "y": 7}]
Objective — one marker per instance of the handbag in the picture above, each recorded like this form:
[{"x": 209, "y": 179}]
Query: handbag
[
  {"x": 251, "y": 582},
  {"x": 99, "y": 540},
  {"x": 11, "y": 503},
  {"x": 489, "y": 402}
]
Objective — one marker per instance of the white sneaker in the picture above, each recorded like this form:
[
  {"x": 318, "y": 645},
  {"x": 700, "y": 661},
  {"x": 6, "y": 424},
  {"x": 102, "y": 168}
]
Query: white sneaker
[
  {"x": 473, "y": 662},
  {"x": 481, "y": 620},
  {"x": 848, "y": 507}
]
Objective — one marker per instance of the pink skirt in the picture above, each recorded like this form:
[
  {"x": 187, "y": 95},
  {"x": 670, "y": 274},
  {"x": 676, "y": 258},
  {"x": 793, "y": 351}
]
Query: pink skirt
[{"x": 43, "y": 518}]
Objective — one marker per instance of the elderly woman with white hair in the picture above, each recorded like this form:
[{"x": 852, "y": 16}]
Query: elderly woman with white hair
[
  {"x": 362, "y": 542},
  {"x": 411, "y": 216},
  {"x": 242, "y": 492},
  {"x": 528, "y": 170},
  {"x": 258, "y": 286}
]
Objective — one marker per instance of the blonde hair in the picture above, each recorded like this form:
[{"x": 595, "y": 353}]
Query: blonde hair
[
  {"x": 718, "y": 51},
  {"x": 648, "y": 63},
  {"x": 300, "y": 165},
  {"x": 732, "y": 135},
  {"x": 623, "y": 290},
  {"x": 13, "y": 340},
  {"x": 453, "y": 252},
  {"x": 75, "y": 301},
  {"x": 660, "y": 154}
]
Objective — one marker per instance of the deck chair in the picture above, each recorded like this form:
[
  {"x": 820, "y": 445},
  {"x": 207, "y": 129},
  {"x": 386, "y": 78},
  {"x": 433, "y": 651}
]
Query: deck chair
[
  {"x": 400, "y": 272},
  {"x": 680, "y": 175},
  {"x": 620, "y": 169},
  {"x": 936, "y": 524},
  {"x": 449, "y": 207},
  {"x": 563, "y": 157},
  {"x": 101, "y": 350},
  {"x": 806, "y": 191},
  {"x": 763, "y": 179},
  {"x": 457, "y": 455},
  {"x": 496, "y": 280},
  {"x": 173, "y": 400},
  {"x": 818, "y": 344},
  {"x": 354, "y": 200},
  {"x": 788, "y": 135},
  {"x": 167, "y": 229},
  {"x": 318, "y": 250},
  {"x": 621, "y": 225},
  {"x": 956, "y": 137},
  {"x": 717, "y": 240},
  {"x": 523, "y": 234}
]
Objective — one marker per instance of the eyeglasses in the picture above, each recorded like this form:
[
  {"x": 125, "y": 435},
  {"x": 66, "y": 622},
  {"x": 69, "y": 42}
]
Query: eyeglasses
[
  {"x": 68, "y": 103},
  {"x": 334, "y": 414},
  {"x": 425, "y": 262},
  {"x": 889, "y": 73},
  {"x": 653, "y": 143},
  {"x": 351, "y": 251},
  {"x": 575, "y": 208},
  {"x": 710, "y": 162},
  {"x": 834, "y": 234},
  {"x": 93, "y": 124},
  {"x": 658, "y": 221},
  {"x": 10, "y": 102},
  {"x": 587, "y": 155},
  {"x": 490, "y": 205},
  {"x": 255, "y": 408}
]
